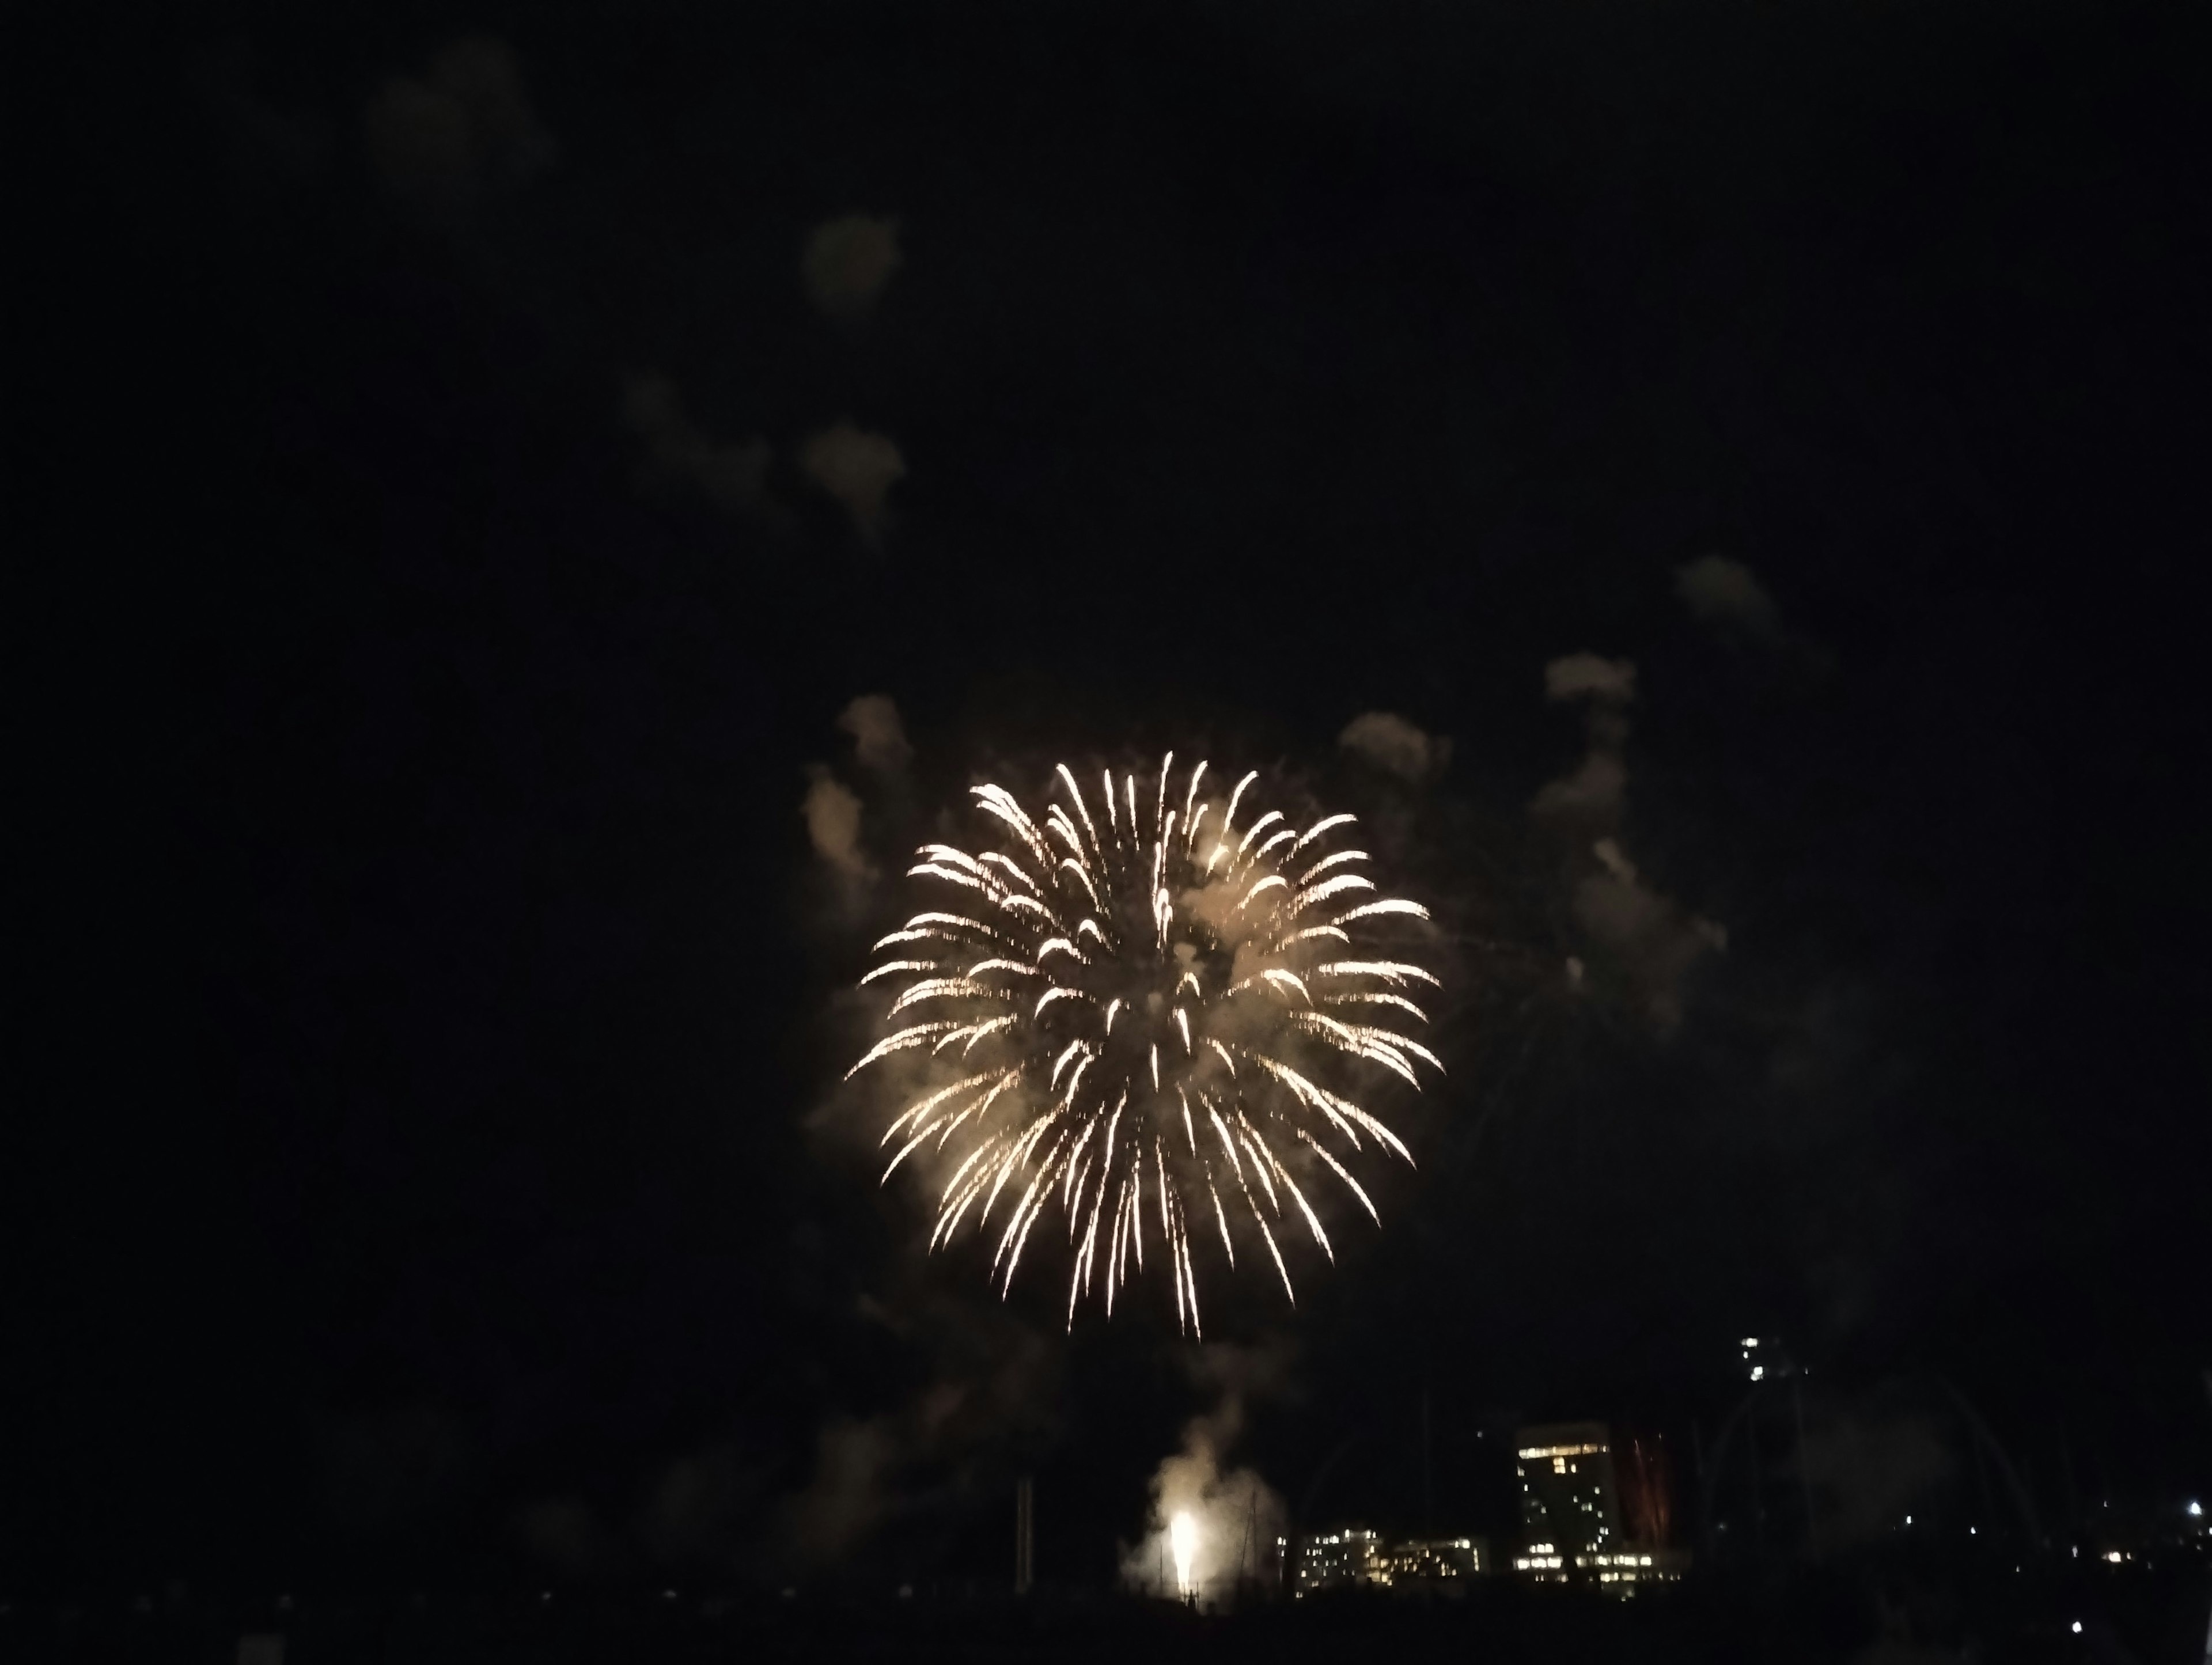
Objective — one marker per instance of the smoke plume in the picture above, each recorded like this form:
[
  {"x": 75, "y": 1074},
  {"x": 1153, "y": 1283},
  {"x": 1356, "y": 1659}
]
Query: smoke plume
[
  {"x": 832, "y": 810},
  {"x": 730, "y": 475},
  {"x": 1230, "y": 1517},
  {"x": 1650, "y": 937},
  {"x": 878, "y": 737},
  {"x": 442, "y": 141},
  {"x": 1390, "y": 742},
  {"x": 856, "y": 468},
  {"x": 847, "y": 263}
]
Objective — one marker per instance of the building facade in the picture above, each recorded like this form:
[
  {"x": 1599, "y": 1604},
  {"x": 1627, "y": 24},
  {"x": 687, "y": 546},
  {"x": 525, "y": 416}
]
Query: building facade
[
  {"x": 1570, "y": 1511},
  {"x": 1349, "y": 1559},
  {"x": 1356, "y": 1558},
  {"x": 1569, "y": 1496}
]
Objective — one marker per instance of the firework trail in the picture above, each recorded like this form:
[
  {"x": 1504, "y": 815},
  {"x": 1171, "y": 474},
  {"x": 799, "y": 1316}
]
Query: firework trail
[{"x": 1138, "y": 1006}]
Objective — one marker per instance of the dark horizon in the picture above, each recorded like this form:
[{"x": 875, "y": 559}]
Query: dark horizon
[{"x": 431, "y": 1169}]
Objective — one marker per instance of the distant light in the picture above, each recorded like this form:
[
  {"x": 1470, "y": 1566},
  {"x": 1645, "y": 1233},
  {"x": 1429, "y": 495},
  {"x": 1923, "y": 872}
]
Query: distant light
[
  {"x": 545, "y": 1596},
  {"x": 1758, "y": 1372},
  {"x": 1908, "y": 1520},
  {"x": 2114, "y": 1557},
  {"x": 1974, "y": 1531},
  {"x": 2197, "y": 1508},
  {"x": 1751, "y": 1340},
  {"x": 668, "y": 1596},
  {"x": 2077, "y": 1627}
]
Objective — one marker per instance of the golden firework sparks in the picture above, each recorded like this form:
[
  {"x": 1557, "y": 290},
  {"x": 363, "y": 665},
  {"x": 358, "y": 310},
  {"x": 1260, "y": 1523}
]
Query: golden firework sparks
[{"x": 1099, "y": 986}]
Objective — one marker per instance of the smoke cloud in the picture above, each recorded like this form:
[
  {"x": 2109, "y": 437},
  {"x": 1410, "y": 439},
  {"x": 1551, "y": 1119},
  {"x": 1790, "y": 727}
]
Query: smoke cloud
[
  {"x": 1594, "y": 793},
  {"x": 847, "y": 263},
  {"x": 732, "y": 475},
  {"x": 442, "y": 141},
  {"x": 878, "y": 738},
  {"x": 856, "y": 468},
  {"x": 699, "y": 1507},
  {"x": 1728, "y": 595},
  {"x": 1729, "y": 599},
  {"x": 847, "y": 1497},
  {"x": 1587, "y": 676},
  {"x": 832, "y": 810},
  {"x": 1392, "y": 744},
  {"x": 992, "y": 1384},
  {"x": 1654, "y": 936},
  {"x": 1650, "y": 937},
  {"x": 1231, "y": 1515}
]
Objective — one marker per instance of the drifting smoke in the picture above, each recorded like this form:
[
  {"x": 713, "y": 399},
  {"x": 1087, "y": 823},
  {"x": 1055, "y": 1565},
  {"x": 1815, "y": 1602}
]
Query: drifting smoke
[
  {"x": 832, "y": 810},
  {"x": 878, "y": 737},
  {"x": 731, "y": 475},
  {"x": 1392, "y": 744},
  {"x": 443, "y": 140},
  {"x": 1728, "y": 595},
  {"x": 1586, "y": 676},
  {"x": 847, "y": 263},
  {"x": 993, "y": 1384},
  {"x": 1211, "y": 1529},
  {"x": 1653, "y": 939},
  {"x": 1729, "y": 599},
  {"x": 1652, "y": 934},
  {"x": 848, "y": 1495},
  {"x": 856, "y": 468}
]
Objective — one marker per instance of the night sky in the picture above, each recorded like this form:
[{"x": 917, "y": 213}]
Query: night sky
[{"x": 436, "y": 588}]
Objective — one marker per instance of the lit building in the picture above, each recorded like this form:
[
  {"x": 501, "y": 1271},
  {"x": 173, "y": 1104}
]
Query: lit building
[
  {"x": 1545, "y": 1564},
  {"x": 1570, "y": 1511},
  {"x": 1435, "y": 1563},
  {"x": 1340, "y": 1560},
  {"x": 1765, "y": 1359},
  {"x": 1568, "y": 1497},
  {"x": 1356, "y": 1558}
]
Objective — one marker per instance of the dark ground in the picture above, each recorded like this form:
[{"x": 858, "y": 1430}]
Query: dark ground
[{"x": 2152, "y": 1615}]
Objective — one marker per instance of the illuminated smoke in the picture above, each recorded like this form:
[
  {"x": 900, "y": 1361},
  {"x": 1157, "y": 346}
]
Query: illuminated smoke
[
  {"x": 1210, "y": 1529},
  {"x": 1182, "y": 1541},
  {"x": 1136, "y": 1010}
]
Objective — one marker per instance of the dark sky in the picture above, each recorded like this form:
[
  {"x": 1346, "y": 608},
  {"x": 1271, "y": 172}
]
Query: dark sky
[{"x": 432, "y": 978}]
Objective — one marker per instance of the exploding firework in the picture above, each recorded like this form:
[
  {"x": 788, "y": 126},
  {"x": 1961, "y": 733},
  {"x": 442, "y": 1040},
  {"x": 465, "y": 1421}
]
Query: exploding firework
[{"x": 1137, "y": 1016}]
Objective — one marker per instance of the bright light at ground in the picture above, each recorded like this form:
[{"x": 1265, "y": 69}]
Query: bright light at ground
[
  {"x": 2197, "y": 1508},
  {"x": 2077, "y": 1627},
  {"x": 1183, "y": 1539}
]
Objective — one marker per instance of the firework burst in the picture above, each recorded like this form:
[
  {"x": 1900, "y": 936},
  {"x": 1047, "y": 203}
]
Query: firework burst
[{"x": 1130, "y": 1016}]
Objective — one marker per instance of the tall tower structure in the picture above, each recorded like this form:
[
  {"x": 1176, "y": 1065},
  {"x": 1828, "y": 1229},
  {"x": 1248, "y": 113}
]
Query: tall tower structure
[{"x": 1570, "y": 1503}]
